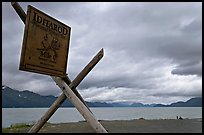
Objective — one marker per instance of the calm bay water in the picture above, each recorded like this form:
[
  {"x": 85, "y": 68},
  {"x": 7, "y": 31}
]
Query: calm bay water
[{"x": 62, "y": 115}]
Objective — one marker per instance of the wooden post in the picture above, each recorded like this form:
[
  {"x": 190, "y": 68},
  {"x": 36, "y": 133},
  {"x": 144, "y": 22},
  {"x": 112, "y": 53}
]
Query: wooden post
[
  {"x": 72, "y": 86},
  {"x": 81, "y": 75},
  {"x": 79, "y": 78},
  {"x": 80, "y": 106},
  {"x": 77, "y": 100},
  {"x": 19, "y": 11},
  {"x": 38, "y": 125}
]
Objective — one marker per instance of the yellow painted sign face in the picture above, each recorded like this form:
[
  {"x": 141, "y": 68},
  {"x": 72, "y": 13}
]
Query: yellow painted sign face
[{"x": 45, "y": 44}]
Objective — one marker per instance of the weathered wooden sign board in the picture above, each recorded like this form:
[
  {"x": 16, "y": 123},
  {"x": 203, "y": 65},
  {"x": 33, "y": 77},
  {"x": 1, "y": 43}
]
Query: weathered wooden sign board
[{"x": 45, "y": 44}]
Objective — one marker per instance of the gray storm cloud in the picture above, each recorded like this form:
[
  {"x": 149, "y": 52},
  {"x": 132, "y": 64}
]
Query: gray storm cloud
[{"x": 151, "y": 50}]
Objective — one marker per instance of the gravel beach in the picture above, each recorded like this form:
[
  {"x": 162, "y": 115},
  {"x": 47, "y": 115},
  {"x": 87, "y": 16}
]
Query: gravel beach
[{"x": 126, "y": 126}]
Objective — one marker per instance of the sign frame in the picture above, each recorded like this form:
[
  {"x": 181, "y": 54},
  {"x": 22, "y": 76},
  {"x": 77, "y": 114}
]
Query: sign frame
[{"x": 49, "y": 54}]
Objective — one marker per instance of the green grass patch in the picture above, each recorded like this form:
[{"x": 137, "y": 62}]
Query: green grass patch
[
  {"x": 5, "y": 130},
  {"x": 20, "y": 125},
  {"x": 20, "y": 128},
  {"x": 16, "y": 128}
]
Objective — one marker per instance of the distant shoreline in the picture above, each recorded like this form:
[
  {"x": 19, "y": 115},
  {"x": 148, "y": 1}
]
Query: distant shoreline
[{"x": 19, "y": 99}]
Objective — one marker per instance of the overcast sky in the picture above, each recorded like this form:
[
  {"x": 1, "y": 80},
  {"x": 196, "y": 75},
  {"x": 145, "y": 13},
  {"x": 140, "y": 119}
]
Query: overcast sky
[{"x": 152, "y": 51}]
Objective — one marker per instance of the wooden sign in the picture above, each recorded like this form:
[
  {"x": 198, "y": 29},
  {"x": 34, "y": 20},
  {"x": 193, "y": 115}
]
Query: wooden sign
[
  {"x": 47, "y": 50},
  {"x": 45, "y": 44}
]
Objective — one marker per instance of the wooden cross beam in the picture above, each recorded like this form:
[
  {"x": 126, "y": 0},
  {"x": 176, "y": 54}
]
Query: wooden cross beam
[
  {"x": 80, "y": 106},
  {"x": 68, "y": 89},
  {"x": 37, "y": 126}
]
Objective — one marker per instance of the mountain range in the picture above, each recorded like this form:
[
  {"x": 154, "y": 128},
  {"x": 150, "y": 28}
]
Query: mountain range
[{"x": 26, "y": 99}]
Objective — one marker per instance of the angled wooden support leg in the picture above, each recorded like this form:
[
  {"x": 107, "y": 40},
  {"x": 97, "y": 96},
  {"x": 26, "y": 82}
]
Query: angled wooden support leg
[
  {"x": 83, "y": 73},
  {"x": 72, "y": 86},
  {"x": 39, "y": 124},
  {"x": 88, "y": 116}
]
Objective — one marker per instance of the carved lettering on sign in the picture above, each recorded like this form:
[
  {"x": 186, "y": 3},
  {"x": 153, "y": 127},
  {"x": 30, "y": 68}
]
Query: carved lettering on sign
[{"x": 37, "y": 18}]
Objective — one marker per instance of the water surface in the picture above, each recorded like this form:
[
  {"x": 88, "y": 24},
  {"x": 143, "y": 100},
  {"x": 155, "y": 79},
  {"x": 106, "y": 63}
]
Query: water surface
[{"x": 62, "y": 115}]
